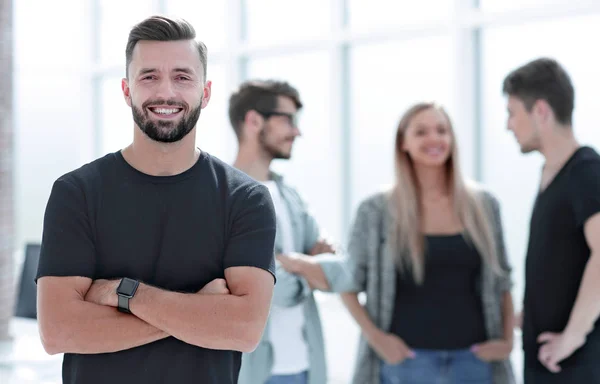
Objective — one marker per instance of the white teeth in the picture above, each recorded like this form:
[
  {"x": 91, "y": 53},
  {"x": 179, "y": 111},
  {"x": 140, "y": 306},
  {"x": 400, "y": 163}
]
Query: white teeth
[{"x": 164, "y": 111}]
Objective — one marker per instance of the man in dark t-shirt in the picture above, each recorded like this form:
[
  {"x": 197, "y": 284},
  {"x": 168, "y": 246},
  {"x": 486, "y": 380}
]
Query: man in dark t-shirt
[
  {"x": 561, "y": 337},
  {"x": 157, "y": 261}
]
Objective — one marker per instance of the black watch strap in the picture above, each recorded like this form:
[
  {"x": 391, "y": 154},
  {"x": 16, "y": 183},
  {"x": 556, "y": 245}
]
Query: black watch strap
[
  {"x": 123, "y": 304},
  {"x": 125, "y": 291}
]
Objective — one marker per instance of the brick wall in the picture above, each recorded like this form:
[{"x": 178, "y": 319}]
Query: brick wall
[{"x": 7, "y": 222}]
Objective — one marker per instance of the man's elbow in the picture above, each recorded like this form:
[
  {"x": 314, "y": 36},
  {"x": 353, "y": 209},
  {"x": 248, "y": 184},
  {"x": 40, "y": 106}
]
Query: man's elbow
[
  {"x": 49, "y": 336},
  {"x": 250, "y": 330},
  {"x": 251, "y": 339}
]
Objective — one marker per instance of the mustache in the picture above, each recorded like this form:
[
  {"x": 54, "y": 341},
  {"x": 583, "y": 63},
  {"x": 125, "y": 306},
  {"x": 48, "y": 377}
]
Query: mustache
[{"x": 172, "y": 103}]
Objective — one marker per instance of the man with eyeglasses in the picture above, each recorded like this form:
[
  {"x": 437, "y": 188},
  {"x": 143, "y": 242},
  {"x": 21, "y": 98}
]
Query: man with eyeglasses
[{"x": 263, "y": 116}]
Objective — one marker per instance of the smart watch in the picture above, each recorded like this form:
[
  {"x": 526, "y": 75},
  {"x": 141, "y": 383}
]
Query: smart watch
[{"x": 125, "y": 291}]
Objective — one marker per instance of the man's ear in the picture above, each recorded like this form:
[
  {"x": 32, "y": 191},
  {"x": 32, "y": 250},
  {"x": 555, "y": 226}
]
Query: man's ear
[
  {"x": 253, "y": 121},
  {"x": 126, "y": 91},
  {"x": 206, "y": 93},
  {"x": 542, "y": 111}
]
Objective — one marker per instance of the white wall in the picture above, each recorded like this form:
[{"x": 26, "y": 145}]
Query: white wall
[{"x": 53, "y": 118}]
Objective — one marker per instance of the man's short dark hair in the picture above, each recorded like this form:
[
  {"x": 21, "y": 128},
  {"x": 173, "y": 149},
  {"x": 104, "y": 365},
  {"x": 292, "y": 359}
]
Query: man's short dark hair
[
  {"x": 161, "y": 28},
  {"x": 543, "y": 79},
  {"x": 260, "y": 96}
]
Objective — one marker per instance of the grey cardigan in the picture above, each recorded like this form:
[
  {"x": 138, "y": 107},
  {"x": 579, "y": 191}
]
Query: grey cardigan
[{"x": 373, "y": 269}]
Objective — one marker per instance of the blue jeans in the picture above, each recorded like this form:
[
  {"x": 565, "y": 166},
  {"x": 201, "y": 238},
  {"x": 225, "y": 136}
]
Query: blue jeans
[
  {"x": 438, "y": 367},
  {"x": 298, "y": 378}
]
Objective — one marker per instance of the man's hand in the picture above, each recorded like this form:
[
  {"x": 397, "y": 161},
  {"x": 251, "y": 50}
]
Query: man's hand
[
  {"x": 103, "y": 292},
  {"x": 493, "y": 350},
  {"x": 322, "y": 246},
  {"x": 558, "y": 346},
  {"x": 307, "y": 267},
  {"x": 390, "y": 348},
  {"x": 215, "y": 287}
]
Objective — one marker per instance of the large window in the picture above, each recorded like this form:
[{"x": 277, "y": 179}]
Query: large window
[
  {"x": 386, "y": 80},
  {"x": 505, "y": 5},
  {"x": 207, "y": 17},
  {"x": 269, "y": 21},
  {"x": 365, "y": 15},
  {"x": 318, "y": 147},
  {"x": 116, "y": 121},
  {"x": 214, "y": 134},
  {"x": 115, "y": 19}
]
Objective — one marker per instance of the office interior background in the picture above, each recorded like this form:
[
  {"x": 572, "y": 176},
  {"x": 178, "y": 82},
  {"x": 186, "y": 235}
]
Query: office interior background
[{"x": 358, "y": 65}]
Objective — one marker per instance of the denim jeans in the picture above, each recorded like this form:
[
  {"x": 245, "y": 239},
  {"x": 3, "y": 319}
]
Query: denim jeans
[
  {"x": 298, "y": 378},
  {"x": 438, "y": 367}
]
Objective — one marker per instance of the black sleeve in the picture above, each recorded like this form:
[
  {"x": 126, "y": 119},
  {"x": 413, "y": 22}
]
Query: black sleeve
[
  {"x": 67, "y": 243},
  {"x": 585, "y": 191},
  {"x": 252, "y": 235}
]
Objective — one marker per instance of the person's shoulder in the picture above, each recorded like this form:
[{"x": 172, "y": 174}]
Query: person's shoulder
[
  {"x": 586, "y": 159},
  {"x": 376, "y": 202},
  {"x": 583, "y": 172},
  {"x": 290, "y": 189},
  {"x": 478, "y": 190},
  {"x": 237, "y": 183},
  {"x": 89, "y": 174}
]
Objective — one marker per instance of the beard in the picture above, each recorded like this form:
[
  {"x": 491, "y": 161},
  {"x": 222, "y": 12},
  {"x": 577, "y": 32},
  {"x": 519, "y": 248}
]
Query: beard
[
  {"x": 166, "y": 131},
  {"x": 272, "y": 149}
]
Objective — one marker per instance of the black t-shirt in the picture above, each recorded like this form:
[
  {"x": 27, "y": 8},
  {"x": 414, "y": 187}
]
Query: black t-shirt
[
  {"x": 106, "y": 220},
  {"x": 558, "y": 253},
  {"x": 445, "y": 311}
]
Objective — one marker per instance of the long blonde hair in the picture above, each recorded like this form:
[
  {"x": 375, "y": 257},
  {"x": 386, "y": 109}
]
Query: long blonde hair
[{"x": 407, "y": 240}]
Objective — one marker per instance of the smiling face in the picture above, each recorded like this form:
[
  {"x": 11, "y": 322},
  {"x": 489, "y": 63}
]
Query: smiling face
[
  {"x": 166, "y": 89},
  {"x": 428, "y": 139}
]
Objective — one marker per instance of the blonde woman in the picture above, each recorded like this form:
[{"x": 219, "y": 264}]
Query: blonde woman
[{"x": 430, "y": 256}]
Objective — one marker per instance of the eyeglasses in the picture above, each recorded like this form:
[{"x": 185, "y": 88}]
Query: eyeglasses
[{"x": 292, "y": 118}]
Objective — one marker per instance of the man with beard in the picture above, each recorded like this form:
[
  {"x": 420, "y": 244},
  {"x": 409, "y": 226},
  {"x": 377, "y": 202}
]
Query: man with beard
[
  {"x": 263, "y": 116},
  {"x": 157, "y": 260}
]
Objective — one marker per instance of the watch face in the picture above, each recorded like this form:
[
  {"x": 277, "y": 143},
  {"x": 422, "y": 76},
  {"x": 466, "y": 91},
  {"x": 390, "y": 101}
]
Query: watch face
[{"x": 126, "y": 287}]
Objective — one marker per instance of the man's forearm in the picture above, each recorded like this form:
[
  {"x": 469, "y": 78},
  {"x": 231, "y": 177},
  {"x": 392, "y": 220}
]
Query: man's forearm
[
  {"x": 89, "y": 328},
  {"x": 210, "y": 321},
  {"x": 314, "y": 274},
  {"x": 587, "y": 305}
]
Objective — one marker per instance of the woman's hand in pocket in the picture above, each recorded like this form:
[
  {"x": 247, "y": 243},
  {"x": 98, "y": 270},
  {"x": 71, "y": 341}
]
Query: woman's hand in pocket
[
  {"x": 390, "y": 348},
  {"x": 493, "y": 350}
]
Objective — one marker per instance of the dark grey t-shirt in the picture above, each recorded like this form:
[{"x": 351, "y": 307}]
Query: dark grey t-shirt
[
  {"x": 106, "y": 220},
  {"x": 558, "y": 254}
]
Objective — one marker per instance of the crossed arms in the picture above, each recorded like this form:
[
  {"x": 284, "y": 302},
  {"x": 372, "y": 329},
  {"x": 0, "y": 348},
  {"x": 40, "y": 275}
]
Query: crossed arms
[{"x": 78, "y": 315}]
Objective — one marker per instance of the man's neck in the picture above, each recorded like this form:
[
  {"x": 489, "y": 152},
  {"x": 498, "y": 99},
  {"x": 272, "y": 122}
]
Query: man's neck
[
  {"x": 161, "y": 159},
  {"x": 254, "y": 164},
  {"x": 559, "y": 147}
]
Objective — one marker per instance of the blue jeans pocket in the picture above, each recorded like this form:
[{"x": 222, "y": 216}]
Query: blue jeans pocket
[
  {"x": 470, "y": 369},
  {"x": 420, "y": 370},
  {"x": 430, "y": 367}
]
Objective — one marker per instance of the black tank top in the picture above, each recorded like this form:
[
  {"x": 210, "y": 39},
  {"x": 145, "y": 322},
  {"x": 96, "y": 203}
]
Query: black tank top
[{"x": 445, "y": 311}]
